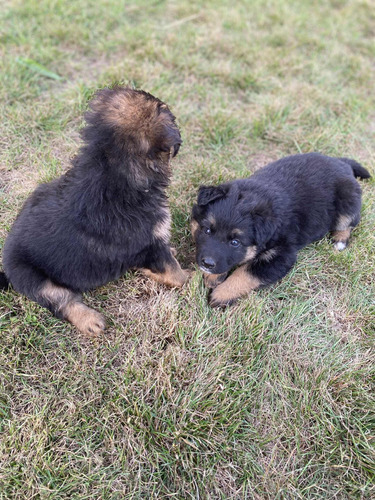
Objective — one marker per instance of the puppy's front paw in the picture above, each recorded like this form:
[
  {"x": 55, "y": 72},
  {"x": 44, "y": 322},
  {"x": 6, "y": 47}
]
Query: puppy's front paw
[
  {"x": 239, "y": 284},
  {"x": 173, "y": 276},
  {"x": 221, "y": 297},
  {"x": 213, "y": 280}
]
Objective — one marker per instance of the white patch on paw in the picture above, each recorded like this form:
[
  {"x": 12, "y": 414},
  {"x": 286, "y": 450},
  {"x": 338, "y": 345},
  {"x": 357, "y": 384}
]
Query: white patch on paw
[{"x": 340, "y": 245}]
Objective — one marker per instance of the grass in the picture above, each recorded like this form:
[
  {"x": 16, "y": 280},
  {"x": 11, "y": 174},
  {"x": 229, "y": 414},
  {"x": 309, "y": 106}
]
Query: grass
[{"x": 271, "y": 399}]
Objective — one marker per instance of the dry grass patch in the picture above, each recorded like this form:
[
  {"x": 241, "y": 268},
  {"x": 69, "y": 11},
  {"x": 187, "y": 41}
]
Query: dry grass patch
[{"x": 270, "y": 399}]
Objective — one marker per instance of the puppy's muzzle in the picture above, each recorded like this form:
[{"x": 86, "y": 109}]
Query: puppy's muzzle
[{"x": 207, "y": 264}]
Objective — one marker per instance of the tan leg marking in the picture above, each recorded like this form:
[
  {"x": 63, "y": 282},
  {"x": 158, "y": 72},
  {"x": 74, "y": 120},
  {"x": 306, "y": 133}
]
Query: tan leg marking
[
  {"x": 173, "y": 275},
  {"x": 342, "y": 232},
  {"x": 213, "y": 280},
  {"x": 343, "y": 222},
  {"x": 68, "y": 303},
  {"x": 239, "y": 283},
  {"x": 57, "y": 296},
  {"x": 86, "y": 320},
  {"x": 341, "y": 239},
  {"x": 341, "y": 235}
]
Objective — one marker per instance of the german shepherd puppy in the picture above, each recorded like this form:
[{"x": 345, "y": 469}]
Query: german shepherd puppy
[
  {"x": 107, "y": 214},
  {"x": 257, "y": 225}
]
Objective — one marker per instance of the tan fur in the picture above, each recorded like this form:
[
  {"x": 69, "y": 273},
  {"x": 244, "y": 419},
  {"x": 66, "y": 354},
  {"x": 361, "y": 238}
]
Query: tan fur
[
  {"x": 173, "y": 275},
  {"x": 127, "y": 110},
  {"x": 268, "y": 255},
  {"x": 211, "y": 219},
  {"x": 194, "y": 226},
  {"x": 239, "y": 283},
  {"x": 250, "y": 254},
  {"x": 86, "y": 320},
  {"x": 136, "y": 119},
  {"x": 56, "y": 295},
  {"x": 162, "y": 230},
  {"x": 343, "y": 223},
  {"x": 342, "y": 231},
  {"x": 341, "y": 235},
  {"x": 213, "y": 280}
]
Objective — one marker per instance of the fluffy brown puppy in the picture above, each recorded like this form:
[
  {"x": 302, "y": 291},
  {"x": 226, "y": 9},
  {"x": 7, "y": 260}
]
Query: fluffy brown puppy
[{"x": 107, "y": 214}]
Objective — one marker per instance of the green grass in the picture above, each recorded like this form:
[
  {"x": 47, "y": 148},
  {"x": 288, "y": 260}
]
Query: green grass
[{"x": 271, "y": 399}]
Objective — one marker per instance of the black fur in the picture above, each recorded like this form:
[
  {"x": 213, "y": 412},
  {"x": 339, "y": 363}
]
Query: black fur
[
  {"x": 277, "y": 211},
  {"x": 92, "y": 224}
]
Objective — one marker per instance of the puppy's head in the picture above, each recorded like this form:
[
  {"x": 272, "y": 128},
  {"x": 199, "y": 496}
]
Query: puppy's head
[
  {"x": 230, "y": 226},
  {"x": 136, "y": 131}
]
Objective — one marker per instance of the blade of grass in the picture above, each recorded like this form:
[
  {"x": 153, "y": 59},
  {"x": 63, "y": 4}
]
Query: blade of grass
[{"x": 38, "y": 68}]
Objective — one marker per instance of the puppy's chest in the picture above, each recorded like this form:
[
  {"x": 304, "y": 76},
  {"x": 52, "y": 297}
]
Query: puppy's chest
[{"x": 129, "y": 238}]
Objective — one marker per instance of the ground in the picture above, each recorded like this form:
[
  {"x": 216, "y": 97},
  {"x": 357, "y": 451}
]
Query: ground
[{"x": 271, "y": 399}]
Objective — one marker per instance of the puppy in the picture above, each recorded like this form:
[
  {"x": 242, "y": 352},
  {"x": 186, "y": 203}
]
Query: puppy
[
  {"x": 107, "y": 214},
  {"x": 257, "y": 225}
]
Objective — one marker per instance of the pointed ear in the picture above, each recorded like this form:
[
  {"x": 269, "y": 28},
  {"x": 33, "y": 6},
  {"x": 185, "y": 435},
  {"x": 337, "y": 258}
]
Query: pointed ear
[
  {"x": 196, "y": 211},
  {"x": 206, "y": 194},
  {"x": 265, "y": 222}
]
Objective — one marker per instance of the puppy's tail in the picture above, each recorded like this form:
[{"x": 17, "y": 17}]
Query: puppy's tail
[
  {"x": 4, "y": 282},
  {"x": 358, "y": 170}
]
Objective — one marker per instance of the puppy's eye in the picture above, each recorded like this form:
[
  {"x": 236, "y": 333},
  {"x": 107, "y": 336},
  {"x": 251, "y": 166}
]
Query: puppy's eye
[
  {"x": 235, "y": 243},
  {"x": 206, "y": 230}
]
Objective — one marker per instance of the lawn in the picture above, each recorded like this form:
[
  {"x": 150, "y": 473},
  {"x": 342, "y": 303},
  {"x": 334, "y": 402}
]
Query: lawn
[{"x": 271, "y": 399}]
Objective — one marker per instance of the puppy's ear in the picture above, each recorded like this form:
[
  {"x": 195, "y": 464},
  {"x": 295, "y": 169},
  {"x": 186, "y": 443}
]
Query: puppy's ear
[
  {"x": 165, "y": 136},
  {"x": 196, "y": 212},
  {"x": 170, "y": 140},
  {"x": 206, "y": 194},
  {"x": 265, "y": 221}
]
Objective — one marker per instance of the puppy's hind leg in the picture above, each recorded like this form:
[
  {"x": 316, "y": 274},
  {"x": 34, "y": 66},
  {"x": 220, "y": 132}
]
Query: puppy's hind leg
[
  {"x": 61, "y": 301},
  {"x": 348, "y": 206},
  {"x": 341, "y": 234},
  {"x": 68, "y": 305}
]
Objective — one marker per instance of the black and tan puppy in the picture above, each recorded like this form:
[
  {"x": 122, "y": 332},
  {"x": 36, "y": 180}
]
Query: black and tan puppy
[
  {"x": 257, "y": 225},
  {"x": 107, "y": 214}
]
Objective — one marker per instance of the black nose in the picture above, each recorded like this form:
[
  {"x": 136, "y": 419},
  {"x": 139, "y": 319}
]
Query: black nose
[{"x": 208, "y": 262}]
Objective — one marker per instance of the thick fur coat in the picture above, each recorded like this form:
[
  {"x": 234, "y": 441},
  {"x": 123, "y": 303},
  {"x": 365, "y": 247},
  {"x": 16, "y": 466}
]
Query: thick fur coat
[
  {"x": 257, "y": 225},
  {"x": 107, "y": 214}
]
